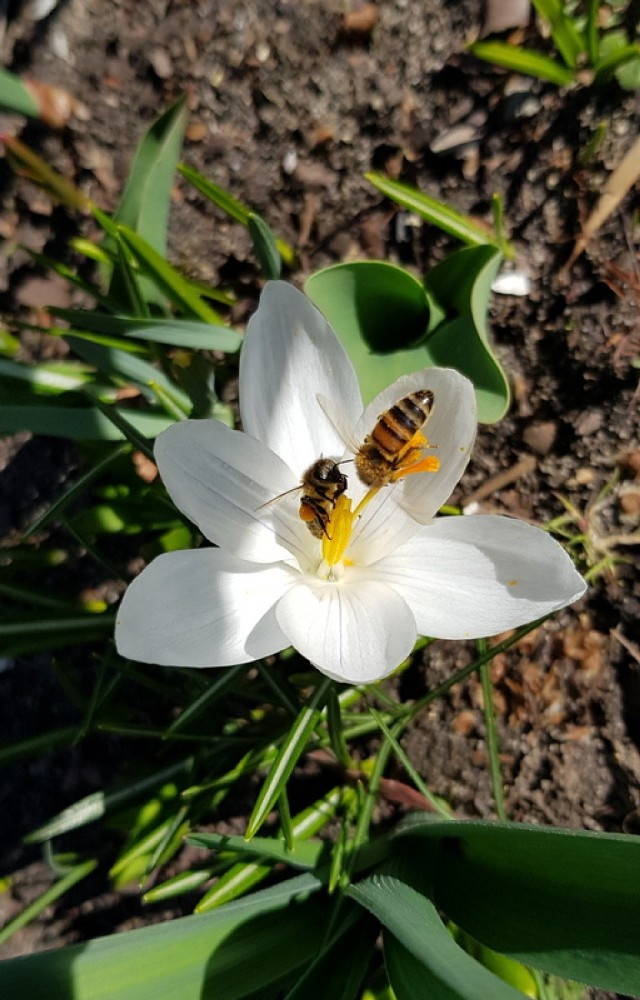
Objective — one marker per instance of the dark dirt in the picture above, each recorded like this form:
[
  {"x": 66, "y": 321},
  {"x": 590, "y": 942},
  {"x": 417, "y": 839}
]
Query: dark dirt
[{"x": 289, "y": 107}]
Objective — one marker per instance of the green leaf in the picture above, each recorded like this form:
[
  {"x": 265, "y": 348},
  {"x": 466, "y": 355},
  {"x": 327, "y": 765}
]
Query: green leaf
[
  {"x": 566, "y": 36},
  {"x": 436, "y": 212},
  {"x": 15, "y": 97},
  {"x": 524, "y": 61},
  {"x": 178, "y": 885},
  {"x": 53, "y": 377},
  {"x": 336, "y": 973},
  {"x": 265, "y": 247},
  {"x": 224, "y": 955},
  {"x": 563, "y": 901},
  {"x": 27, "y": 163},
  {"x": 423, "y": 961},
  {"x": 145, "y": 201},
  {"x": 166, "y": 278},
  {"x": 122, "y": 365},
  {"x": 235, "y": 882},
  {"x": 462, "y": 285},
  {"x": 50, "y": 896},
  {"x": 381, "y": 314},
  {"x": 390, "y": 325},
  {"x": 616, "y": 57},
  {"x": 304, "y": 854},
  {"x": 78, "y": 423},
  {"x": 233, "y": 208},
  {"x": 77, "y": 489},
  {"x": 68, "y": 274},
  {"x": 35, "y": 745},
  {"x": 32, "y": 635},
  {"x": 292, "y": 747},
  {"x": 98, "y": 804},
  {"x": 176, "y": 331}
]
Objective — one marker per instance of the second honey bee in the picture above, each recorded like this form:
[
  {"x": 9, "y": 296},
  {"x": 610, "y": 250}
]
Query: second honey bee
[
  {"x": 393, "y": 447},
  {"x": 322, "y": 484}
]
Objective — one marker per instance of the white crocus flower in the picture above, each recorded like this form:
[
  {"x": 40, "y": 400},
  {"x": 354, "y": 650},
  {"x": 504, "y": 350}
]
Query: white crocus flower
[{"x": 352, "y": 603}]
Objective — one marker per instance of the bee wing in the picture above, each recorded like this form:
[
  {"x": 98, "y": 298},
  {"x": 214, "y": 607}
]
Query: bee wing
[
  {"x": 280, "y": 496},
  {"x": 338, "y": 425}
]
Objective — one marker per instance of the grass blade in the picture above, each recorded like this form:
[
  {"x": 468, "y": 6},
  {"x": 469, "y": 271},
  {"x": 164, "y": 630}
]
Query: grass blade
[
  {"x": 525, "y": 61},
  {"x": 166, "y": 278},
  {"x": 52, "y": 894},
  {"x": 292, "y": 747},
  {"x": 435, "y": 212},
  {"x": 176, "y": 331},
  {"x": 566, "y": 36}
]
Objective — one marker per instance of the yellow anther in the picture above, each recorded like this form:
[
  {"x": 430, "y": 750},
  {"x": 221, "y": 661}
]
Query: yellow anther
[
  {"x": 338, "y": 533},
  {"x": 416, "y": 462}
]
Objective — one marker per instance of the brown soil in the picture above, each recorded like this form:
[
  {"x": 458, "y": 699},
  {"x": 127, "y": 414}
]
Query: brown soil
[{"x": 289, "y": 107}]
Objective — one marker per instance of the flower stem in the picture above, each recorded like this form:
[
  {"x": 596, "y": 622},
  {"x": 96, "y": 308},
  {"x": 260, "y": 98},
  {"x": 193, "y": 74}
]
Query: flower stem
[{"x": 493, "y": 749}]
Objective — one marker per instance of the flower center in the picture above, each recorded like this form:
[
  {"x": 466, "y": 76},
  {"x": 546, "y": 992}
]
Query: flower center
[{"x": 337, "y": 535}]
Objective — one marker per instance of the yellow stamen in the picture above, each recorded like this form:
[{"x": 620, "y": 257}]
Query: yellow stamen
[
  {"x": 338, "y": 534},
  {"x": 415, "y": 462}
]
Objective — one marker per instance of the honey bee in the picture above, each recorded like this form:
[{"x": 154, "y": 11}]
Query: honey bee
[
  {"x": 322, "y": 484},
  {"x": 392, "y": 446}
]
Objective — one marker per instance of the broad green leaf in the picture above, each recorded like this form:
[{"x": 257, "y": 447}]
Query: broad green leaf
[
  {"x": 176, "y": 331},
  {"x": 391, "y": 325},
  {"x": 563, "y": 901},
  {"x": 436, "y": 212},
  {"x": 423, "y": 961},
  {"x": 336, "y": 973},
  {"x": 225, "y": 955},
  {"x": 78, "y": 423},
  {"x": 525, "y": 61},
  {"x": 564, "y": 32},
  {"x": 15, "y": 96},
  {"x": 145, "y": 201},
  {"x": 265, "y": 247},
  {"x": 507, "y": 969},
  {"x": 167, "y": 279},
  {"x": 462, "y": 285},
  {"x": 233, "y": 208},
  {"x": 381, "y": 314}
]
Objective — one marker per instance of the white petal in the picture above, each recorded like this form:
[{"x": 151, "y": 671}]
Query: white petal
[
  {"x": 220, "y": 478},
  {"x": 451, "y": 430},
  {"x": 353, "y": 632},
  {"x": 290, "y": 355},
  {"x": 202, "y": 608},
  {"x": 381, "y": 528},
  {"x": 467, "y": 577}
]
